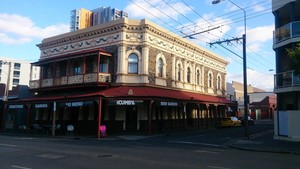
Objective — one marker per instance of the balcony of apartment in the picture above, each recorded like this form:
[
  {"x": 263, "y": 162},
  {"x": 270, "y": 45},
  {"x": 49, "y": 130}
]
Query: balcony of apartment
[
  {"x": 78, "y": 71},
  {"x": 286, "y": 34},
  {"x": 286, "y": 82}
]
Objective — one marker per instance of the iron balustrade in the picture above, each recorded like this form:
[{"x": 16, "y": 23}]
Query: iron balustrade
[{"x": 69, "y": 80}]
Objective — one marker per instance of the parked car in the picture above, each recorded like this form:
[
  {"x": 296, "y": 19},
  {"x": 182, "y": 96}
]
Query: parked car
[
  {"x": 230, "y": 122},
  {"x": 250, "y": 120}
]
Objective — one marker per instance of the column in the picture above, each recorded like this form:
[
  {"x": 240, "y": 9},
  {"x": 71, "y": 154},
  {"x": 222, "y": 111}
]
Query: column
[
  {"x": 145, "y": 63},
  {"x": 121, "y": 62}
]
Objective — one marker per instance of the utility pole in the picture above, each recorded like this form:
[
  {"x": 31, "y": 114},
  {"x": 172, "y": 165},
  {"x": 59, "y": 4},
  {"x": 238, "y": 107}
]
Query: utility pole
[{"x": 5, "y": 96}]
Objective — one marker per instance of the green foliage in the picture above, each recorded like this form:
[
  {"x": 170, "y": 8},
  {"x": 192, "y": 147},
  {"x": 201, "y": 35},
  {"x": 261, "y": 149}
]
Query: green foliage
[{"x": 295, "y": 54}]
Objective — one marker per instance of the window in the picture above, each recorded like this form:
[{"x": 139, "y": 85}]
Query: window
[
  {"x": 133, "y": 64},
  {"x": 17, "y": 66},
  {"x": 76, "y": 66},
  {"x": 179, "y": 72},
  {"x": 160, "y": 66},
  {"x": 219, "y": 82},
  {"x": 16, "y": 81},
  {"x": 104, "y": 63},
  {"x": 17, "y": 74},
  {"x": 209, "y": 80},
  {"x": 188, "y": 75},
  {"x": 198, "y": 77}
]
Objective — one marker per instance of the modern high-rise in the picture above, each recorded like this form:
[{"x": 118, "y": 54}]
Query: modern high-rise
[
  {"x": 17, "y": 72},
  {"x": 287, "y": 81},
  {"x": 80, "y": 18},
  {"x": 106, "y": 14},
  {"x": 83, "y": 18}
]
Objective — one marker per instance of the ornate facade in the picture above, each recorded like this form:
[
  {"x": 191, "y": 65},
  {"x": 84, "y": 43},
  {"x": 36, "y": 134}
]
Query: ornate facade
[{"x": 130, "y": 75}]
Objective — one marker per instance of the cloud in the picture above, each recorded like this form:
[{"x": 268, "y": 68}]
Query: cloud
[
  {"x": 266, "y": 82},
  {"x": 156, "y": 9},
  {"x": 258, "y": 36},
  {"x": 17, "y": 29}
]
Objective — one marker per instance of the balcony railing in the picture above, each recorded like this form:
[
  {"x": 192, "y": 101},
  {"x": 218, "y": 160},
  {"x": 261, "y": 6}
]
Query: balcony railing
[
  {"x": 286, "y": 79},
  {"x": 286, "y": 32},
  {"x": 70, "y": 80}
]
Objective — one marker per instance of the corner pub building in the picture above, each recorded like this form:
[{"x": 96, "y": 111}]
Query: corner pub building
[{"x": 129, "y": 75}]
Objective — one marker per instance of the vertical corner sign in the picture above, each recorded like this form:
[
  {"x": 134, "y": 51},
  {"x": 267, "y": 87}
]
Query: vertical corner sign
[{"x": 54, "y": 106}]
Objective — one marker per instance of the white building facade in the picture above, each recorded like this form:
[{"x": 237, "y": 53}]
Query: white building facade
[{"x": 17, "y": 72}]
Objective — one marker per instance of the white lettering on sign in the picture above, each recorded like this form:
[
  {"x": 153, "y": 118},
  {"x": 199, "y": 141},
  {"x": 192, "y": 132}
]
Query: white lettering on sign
[
  {"x": 168, "y": 103},
  {"x": 74, "y": 104},
  {"x": 16, "y": 106},
  {"x": 41, "y": 106},
  {"x": 125, "y": 102}
]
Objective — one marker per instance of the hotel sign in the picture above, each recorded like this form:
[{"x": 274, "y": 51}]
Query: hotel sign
[
  {"x": 126, "y": 102},
  {"x": 74, "y": 104},
  {"x": 40, "y": 106},
  {"x": 16, "y": 106},
  {"x": 168, "y": 103}
]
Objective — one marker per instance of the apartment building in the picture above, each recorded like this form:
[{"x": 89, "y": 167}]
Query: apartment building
[
  {"x": 15, "y": 72},
  {"x": 287, "y": 82},
  {"x": 83, "y": 18},
  {"x": 129, "y": 75}
]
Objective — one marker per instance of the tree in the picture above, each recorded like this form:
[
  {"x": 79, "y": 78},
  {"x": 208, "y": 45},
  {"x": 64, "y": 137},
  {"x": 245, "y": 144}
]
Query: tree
[{"x": 295, "y": 54}]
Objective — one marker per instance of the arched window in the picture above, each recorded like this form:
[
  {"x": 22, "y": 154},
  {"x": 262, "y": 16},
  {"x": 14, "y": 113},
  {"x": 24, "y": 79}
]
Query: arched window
[
  {"x": 198, "y": 77},
  {"x": 133, "y": 63},
  {"x": 210, "y": 80},
  {"x": 188, "y": 75},
  {"x": 179, "y": 72},
  {"x": 160, "y": 67},
  {"x": 219, "y": 82}
]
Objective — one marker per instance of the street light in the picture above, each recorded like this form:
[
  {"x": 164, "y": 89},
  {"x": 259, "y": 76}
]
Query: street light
[{"x": 244, "y": 66}]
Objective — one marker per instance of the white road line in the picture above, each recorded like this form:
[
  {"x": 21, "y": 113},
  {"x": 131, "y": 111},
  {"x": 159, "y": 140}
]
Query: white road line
[
  {"x": 20, "y": 167},
  {"x": 188, "y": 142},
  {"x": 203, "y": 151},
  {"x": 8, "y": 145},
  {"x": 216, "y": 167}
]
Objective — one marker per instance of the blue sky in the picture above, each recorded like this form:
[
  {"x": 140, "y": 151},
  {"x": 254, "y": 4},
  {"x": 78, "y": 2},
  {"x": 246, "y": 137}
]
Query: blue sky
[{"x": 23, "y": 24}]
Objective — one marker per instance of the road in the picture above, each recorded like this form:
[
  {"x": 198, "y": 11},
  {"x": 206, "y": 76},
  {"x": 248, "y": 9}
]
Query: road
[{"x": 193, "y": 149}]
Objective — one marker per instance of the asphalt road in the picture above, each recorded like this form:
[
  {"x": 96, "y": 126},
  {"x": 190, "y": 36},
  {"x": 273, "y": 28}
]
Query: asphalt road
[{"x": 192, "y": 149}]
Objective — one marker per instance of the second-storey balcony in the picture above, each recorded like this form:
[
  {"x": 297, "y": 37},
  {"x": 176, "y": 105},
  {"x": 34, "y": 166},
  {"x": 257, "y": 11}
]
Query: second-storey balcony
[
  {"x": 71, "y": 80},
  {"x": 286, "y": 32},
  {"x": 286, "y": 82}
]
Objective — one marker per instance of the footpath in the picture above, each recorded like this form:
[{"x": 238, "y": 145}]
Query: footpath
[{"x": 264, "y": 142}]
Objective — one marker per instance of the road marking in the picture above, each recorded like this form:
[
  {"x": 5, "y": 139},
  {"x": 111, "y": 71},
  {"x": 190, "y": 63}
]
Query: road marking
[
  {"x": 20, "y": 167},
  {"x": 216, "y": 167},
  {"x": 188, "y": 142},
  {"x": 203, "y": 151},
  {"x": 8, "y": 145},
  {"x": 50, "y": 156}
]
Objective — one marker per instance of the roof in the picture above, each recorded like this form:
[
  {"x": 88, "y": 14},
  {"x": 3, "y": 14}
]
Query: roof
[{"x": 133, "y": 92}]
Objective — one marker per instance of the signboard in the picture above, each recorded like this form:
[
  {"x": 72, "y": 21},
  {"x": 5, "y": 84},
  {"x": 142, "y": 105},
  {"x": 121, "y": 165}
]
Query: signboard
[
  {"x": 125, "y": 102},
  {"x": 40, "y": 106},
  {"x": 74, "y": 104},
  {"x": 168, "y": 103},
  {"x": 16, "y": 106}
]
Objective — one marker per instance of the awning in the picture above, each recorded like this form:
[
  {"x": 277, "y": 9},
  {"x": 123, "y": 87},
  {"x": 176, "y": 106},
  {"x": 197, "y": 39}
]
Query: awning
[
  {"x": 133, "y": 92},
  {"x": 152, "y": 92}
]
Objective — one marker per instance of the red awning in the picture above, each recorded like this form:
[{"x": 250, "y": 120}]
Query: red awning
[
  {"x": 132, "y": 92},
  {"x": 151, "y": 92}
]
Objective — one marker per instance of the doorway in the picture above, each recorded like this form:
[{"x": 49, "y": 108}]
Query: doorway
[{"x": 131, "y": 118}]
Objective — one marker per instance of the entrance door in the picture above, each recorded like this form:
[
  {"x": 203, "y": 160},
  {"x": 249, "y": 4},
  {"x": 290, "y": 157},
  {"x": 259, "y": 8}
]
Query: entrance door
[{"x": 131, "y": 118}]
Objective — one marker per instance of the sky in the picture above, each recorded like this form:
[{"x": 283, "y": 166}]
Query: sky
[{"x": 25, "y": 23}]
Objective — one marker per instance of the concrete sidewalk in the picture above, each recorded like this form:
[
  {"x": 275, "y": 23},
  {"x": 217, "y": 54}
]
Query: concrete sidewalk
[{"x": 264, "y": 142}]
